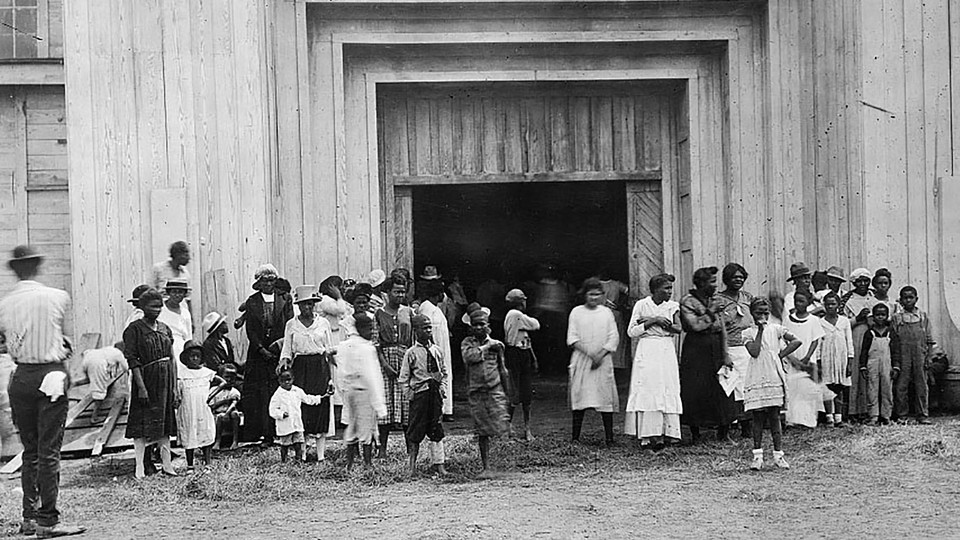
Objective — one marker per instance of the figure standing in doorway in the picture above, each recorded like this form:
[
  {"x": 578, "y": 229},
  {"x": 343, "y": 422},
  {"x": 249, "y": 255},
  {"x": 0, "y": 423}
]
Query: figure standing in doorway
[{"x": 395, "y": 334}]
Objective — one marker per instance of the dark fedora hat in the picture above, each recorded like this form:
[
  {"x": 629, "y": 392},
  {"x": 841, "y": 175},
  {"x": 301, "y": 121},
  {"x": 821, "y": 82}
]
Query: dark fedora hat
[
  {"x": 798, "y": 270},
  {"x": 24, "y": 253}
]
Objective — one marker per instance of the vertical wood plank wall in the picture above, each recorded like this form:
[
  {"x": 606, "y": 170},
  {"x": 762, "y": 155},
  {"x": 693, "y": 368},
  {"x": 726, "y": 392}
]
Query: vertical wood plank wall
[
  {"x": 866, "y": 97},
  {"x": 34, "y": 205},
  {"x": 169, "y": 95},
  {"x": 825, "y": 128}
]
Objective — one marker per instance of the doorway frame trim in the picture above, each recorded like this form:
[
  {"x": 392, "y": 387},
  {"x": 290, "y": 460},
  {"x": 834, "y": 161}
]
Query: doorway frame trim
[{"x": 402, "y": 195}]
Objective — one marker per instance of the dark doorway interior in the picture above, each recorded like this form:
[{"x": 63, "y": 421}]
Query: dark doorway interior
[{"x": 505, "y": 230}]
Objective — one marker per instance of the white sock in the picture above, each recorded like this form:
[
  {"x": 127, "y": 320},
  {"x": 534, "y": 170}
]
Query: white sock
[{"x": 321, "y": 447}]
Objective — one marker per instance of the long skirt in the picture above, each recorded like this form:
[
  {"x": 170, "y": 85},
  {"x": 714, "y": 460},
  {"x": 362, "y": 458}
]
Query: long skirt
[
  {"x": 654, "y": 406},
  {"x": 311, "y": 372},
  {"x": 704, "y": 401},
  {"x": 397, "y": 406},
  {"x": 488, "y": 406},
  {"x": 158, "y": 418},
  {"x": 857, "y": 404}
]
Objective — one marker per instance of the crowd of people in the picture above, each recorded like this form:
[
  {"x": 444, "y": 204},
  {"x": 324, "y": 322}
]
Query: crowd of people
[{"x": 378, "y": 355}]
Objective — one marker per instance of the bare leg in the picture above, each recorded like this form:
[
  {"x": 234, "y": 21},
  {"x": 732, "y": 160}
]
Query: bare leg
[
  {"x": 235, "y": 425},
  {"x": 484, "y": 441},
  {"x": 577, "y": 424},
  {"x": 526, "y": 421},
  {"x": 139, "y": 445},
  {"x": 367, "y": 455},
  {"x": 207, "y": 454},
  {"x": 189, "y": 458},
  {"x": 283, "y": 453},
  {"x": 353, "y": 449},
  {"x": 298, "y": 451},
  {"x": 384, "y": 436},
  {"x": 95, "y": 414},
  {"x": 413, "y": 450}
]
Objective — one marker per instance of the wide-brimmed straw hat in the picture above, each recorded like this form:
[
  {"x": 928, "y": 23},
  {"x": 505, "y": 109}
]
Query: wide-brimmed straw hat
[
  {"x": 189, "y": 346},
  {"x": 212, "y": 321},
  {"x": 475, "y": 313},
  {"x": 305, "y": 293},
  {"x": 180, "y": 284},
  {"x": 430, "y": 272},
  {"x": 799, "y": 270},
  {"x": 835, "y": 272}
]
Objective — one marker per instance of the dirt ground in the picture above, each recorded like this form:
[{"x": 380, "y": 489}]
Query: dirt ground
[{"x": 853, "y": 482}]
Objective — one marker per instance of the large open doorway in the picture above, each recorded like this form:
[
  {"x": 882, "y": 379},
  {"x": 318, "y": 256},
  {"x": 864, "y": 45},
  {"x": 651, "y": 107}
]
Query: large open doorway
[{"x": 505, "y": 231}]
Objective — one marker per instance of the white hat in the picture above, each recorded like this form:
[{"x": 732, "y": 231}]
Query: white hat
[
  {"x": 860, "y": 273},
  {"x": 305, "y": 293},
  {"x": 376, "y": 277},
  {"x": 212, "y": 321}
]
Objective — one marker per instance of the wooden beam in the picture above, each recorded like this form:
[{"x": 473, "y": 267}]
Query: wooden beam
[
  {"x": 32, "y": 73},
  {"x": 408, "y": 38},
  {"x": 502, "y": 178}
]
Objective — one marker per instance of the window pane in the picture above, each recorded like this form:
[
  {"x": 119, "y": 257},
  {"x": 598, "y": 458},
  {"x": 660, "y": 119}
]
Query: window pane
[
  {"x": 6, "y": 17},
  {"x": 6, "y": 45},
  {"x": 26, "y": 46},
  {"x": 6, "y": 3},
  {"x": 26, "y": 2},
  {"x": 25, "y": 20}
]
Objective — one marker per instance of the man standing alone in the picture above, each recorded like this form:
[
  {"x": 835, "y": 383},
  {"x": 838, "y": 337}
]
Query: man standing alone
[{"x": 31, "y": 320}]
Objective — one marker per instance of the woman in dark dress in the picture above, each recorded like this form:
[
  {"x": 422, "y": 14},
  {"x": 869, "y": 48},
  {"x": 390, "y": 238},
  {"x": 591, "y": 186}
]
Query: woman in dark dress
[
  {"x": 268, "y": 311},
  {"x": 703, "y": 353},
  {"x": 147, "y": 345}
]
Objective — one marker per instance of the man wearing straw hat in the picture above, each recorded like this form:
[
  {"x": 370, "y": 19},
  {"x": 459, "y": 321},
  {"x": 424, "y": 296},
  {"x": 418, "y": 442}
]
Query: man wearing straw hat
[{"x": 31, "y": 320}]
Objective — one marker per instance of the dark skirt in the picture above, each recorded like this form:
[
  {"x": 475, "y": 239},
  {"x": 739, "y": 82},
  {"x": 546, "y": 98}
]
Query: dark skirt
[
  {"x": 704, "y": 401},
  {"x": 520, "y": 366},
  {"x": 158, "y": 418},
  {"x": 311, "y": 372},
  {"x": 426, "y": 410}
]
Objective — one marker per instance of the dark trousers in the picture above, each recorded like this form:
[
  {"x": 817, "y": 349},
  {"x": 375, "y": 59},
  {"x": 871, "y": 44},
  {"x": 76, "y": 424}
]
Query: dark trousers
[
  {"x": 426, "y": 410},
  {"x": 912, "y": 379},
  {"x": 41, "y": 424}
]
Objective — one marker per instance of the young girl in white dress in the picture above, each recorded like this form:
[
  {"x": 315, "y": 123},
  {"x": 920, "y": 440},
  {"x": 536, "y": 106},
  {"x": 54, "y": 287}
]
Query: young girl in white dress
[
  {"x": 196, "y": 425},
  {"x": 592, "y": 334},
  {"x": 804, "y": 393},
  {"x": 836, "y": 356},
  {"x": 765, "y": 387},
  {"x": 654, "y": 406}
]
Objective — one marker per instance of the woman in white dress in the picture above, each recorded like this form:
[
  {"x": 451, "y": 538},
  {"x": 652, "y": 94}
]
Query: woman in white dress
[
  {"x": 593, "y": 336},
  {"x": 176, "y": 314},
  {"x": 654, "y": 406}
]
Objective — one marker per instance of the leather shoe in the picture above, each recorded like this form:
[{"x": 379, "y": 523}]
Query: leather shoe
[
  {"x": 923, "y": 420},
  {"x": 59, "y": 530},
  {"x": 28, "y": 527}
]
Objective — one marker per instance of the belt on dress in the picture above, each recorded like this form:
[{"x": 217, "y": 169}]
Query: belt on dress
[{"x": 157, "y": 361}]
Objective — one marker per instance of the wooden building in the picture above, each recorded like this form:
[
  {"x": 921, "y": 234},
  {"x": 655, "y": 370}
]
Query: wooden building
[
  {"x": 34, "y": 205},
  {"x": 336, "y": 136}
]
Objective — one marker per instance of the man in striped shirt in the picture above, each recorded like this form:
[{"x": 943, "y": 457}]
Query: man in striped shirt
[{"x": 31, "y": 320}]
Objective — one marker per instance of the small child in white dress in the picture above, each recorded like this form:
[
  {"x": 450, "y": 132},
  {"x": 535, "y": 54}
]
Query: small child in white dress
[
  {"x": 804, "y": 393},
  {"x": 196, "y": 425},
  {"x": 285, "y": 409}
]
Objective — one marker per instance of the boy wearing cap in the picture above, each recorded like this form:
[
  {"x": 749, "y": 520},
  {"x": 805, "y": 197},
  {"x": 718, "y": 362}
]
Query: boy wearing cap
[
  {"x": 802, "y": 278},
  {"x": 486, "y": 376},
  {"x": 520, "y": 360},
  {"x": 422, "y": 376},
  {"x": 217, "y": 348}
]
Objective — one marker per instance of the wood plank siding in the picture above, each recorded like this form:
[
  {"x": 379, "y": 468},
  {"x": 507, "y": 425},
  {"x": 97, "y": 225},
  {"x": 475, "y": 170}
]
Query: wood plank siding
[
  {"x": 34, "y": 203},
  {"x": 816, "y": 130}
]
